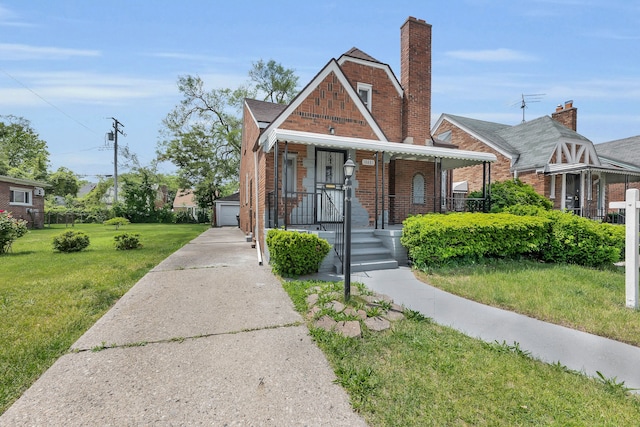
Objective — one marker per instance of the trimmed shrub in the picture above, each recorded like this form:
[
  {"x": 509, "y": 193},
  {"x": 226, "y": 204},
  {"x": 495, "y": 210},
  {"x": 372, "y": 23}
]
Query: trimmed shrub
[
  {"x": 294, "y": 253},
  {"x": 10, "y": 229},
  {"x": 117, "y": 221},
  {"x": 514, "y": 192},
  {"x": 70, "y": 241},
  {"x": 577, "y": 240},
  {"x": 435, "y": 239},
  {"x": 126, "y": 241}
]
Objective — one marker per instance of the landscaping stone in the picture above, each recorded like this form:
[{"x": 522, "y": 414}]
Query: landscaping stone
[
  {"x": 337, "y": 306},
  {"x": 312, "y": 313},
  {"x": 393, "y": 315},
  {"x": 312, "y": 299},
  {"x": 326, "y": 323},
  {"x": 350, "y": 328},
  {"x": 377, "y": 324}
]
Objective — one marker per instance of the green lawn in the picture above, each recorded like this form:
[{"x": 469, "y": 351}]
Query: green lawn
[
  {"x": 423, "y": 374},
  {"x": 49, "y": 299},
  {"x": 581, "y": 298}
]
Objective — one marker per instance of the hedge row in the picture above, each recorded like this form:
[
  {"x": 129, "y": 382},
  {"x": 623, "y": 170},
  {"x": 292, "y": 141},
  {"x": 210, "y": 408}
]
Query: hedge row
[{"x": 550, "y": 236}]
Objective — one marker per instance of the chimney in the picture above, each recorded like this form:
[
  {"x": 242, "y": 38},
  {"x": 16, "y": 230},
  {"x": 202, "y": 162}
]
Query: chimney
[
  {"x": 415, "y": 77},
  {"x": 567, "y": 115}
]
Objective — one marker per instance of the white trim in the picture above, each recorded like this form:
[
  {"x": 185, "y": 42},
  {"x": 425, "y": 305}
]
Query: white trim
[
  {"x": 395, "y": 150},
  {"x": 25, "y": 191},
  {"x": 293, "y": 169},
  {"x": 331, "y": 67},
  {"x": 552, "y": 190},
  {"x": 386, "y": 68},
  {"x": 365, "y": 87},
  {"x": 479, "y": 137}
]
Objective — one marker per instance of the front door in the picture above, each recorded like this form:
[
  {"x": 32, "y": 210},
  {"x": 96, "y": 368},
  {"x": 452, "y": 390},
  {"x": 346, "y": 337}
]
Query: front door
[
  {"x": 572, "y": 195},
  {"x": 329, "y": 183}
]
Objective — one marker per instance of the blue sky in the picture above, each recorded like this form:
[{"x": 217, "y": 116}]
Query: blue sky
[{"x": 68, "y": 65}]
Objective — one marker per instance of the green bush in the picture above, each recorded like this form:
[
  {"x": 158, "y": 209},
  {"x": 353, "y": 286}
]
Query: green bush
[
  {"x": 10, "y": 229},
  {"x": 126, "y": 241},
  {"x": 294, "y": 253},
  {"x": 117, "y": 221},
  {"x": 70, "y": 241},
  {"x": 435, "y": 239},
  {"x": 513, "y": 192},
  {"x": 577, "y": 240}
]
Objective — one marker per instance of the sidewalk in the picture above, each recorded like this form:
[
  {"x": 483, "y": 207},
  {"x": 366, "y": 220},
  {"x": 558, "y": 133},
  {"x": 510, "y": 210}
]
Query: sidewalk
[
  {"x": 576, "y": 350},
  {"x": 207, "y": 337}
]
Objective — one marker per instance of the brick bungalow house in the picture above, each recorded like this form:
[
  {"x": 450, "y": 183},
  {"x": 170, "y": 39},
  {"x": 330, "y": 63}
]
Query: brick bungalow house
[
  {"x": 547, "y": 153},
  {"x": 291, "y": 169},
  {"x": 24, "y": 198}
]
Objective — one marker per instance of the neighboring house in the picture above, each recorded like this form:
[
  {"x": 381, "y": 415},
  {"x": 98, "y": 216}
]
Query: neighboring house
[
  {"x": 546, "y": 152},
  {"x": 624, "y": 153},
  {"x": 227, "y": 210},
  {"x": 291, "y": 170},
  {"x": 185, "y": 202},
  {"x": 24, "y": 199}
]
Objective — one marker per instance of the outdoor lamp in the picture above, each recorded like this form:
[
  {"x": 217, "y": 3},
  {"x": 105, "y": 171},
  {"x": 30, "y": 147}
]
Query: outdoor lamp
[{"x": 349, "y": 168}]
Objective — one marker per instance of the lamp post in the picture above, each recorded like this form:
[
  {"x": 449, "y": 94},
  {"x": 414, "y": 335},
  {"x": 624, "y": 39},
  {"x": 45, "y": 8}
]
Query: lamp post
[{"x": 349, "y": 168}]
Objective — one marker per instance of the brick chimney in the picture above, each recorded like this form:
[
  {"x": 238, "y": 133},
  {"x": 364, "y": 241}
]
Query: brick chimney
[
  {"x": 567, "y": 115},
  {"x": 415, "y": 77}
]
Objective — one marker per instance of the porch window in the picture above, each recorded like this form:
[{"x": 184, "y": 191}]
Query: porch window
[
  {"x": 289, "y": 174},
  {"x": 418, "y": 190},
  {"x": 20, "y": 196},
  {"x": 364, "y": 92}
]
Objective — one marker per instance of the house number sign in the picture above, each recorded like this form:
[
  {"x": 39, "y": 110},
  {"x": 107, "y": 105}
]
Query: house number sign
[{"x": 368, "y": 162}]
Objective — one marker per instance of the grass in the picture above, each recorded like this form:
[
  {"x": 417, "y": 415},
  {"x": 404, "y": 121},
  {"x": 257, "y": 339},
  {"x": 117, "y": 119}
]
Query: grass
[
  {"x": 49, "y": 299},
  {"x": 585, "y": 299},
  {"x": 423, "y": 374}
]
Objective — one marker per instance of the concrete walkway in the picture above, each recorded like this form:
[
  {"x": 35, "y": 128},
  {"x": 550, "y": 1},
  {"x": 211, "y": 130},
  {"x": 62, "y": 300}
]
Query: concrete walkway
[
  {"x": 551, "y": 343},
  {"x": 206, "y": 338}
]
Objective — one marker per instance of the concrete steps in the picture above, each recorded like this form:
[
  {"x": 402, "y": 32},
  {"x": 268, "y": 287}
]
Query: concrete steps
[{"x": 368, "y": 253}]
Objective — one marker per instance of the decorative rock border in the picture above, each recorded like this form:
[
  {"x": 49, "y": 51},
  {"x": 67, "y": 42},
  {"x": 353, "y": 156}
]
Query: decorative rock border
[{"x": 350, "y": 320}]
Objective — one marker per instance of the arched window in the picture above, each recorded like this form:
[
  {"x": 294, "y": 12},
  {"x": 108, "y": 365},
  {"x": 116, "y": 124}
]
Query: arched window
[{"x": 418, "y": 190}]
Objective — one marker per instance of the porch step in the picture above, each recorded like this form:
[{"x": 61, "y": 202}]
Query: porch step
[{"x": 368, "y": 253}]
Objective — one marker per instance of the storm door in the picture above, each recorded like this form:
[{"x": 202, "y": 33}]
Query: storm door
[
  {"x": 572, "y": 195},
  {"x": 329, "y": 183}
]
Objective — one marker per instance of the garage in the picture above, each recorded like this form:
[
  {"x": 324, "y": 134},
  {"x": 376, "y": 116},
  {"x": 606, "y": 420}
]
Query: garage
[{"x": 227, "y": 210}]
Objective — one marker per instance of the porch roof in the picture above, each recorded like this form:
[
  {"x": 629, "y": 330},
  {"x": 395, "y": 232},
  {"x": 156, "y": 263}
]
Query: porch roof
[
  {"x": 614, "y": 175},
  {"x": 450, "y": 158}
]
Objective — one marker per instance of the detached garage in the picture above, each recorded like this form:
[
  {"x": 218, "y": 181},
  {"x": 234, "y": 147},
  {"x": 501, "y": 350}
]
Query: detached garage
[{"x": 227, "y": 210}]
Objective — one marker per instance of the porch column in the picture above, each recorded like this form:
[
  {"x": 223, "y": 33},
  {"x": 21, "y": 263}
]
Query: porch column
[
  {"x": 276, "y": 209},
  {"x": 285, "y": 180},
  {"x": 376, "y": 194},
  {"x": 563, "y": 193},
  {"x": 383, "y": 193}
]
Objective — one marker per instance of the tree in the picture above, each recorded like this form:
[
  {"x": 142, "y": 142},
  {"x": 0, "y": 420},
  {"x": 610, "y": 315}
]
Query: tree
[
  {"x": 22, "y": 153},
  {"x": 64, "y": 182},
  {"x": 277, "y": 83},
  {"x": 202, "y": 136}
]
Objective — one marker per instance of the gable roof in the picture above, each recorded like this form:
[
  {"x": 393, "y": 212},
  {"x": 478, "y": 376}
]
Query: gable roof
[
  {"x": 622, "y": 150},
  {"x": 268, "y": 138},
  {"x": 482, "y": 130},
  {"x": 22, "y": 181},
  {"x": 359, "y": 57},
  {"x": 184, "y": 199},
  {"x": 354, "y": 52},
  {"x": 264, "y": 112}
]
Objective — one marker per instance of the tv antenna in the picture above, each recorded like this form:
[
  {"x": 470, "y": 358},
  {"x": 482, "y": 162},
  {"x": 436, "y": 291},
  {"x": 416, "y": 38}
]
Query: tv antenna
[{"x": 527, "y": 99}]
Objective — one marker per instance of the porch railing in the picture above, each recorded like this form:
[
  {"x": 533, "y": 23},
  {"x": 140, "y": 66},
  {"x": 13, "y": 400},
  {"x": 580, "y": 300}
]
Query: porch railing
[
  {"x": 401, "y": 207},
  {"x": 301, "y": 209}
]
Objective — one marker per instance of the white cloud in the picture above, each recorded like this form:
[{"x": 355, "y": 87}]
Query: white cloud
[
  {"x": 494, "y": 55},
  {"x": 9, "y": 19},
  {"x": 18, "y": 52}
]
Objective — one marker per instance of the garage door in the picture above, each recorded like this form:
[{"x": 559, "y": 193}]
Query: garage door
[{"x": 227, "y": 215}]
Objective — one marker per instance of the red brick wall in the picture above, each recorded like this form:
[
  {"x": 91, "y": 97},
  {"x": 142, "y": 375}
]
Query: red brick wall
[
  {"x": 415, "y": 64},
  {"x": 250, "y": 133},
  {"x": 500, "y": 170},
  {"x": 386, "y": 103},
  {"x": 22, "y": 212}
]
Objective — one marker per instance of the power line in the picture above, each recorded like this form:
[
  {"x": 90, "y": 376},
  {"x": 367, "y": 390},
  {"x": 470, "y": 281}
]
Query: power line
[{"x": 46, "y": 101}]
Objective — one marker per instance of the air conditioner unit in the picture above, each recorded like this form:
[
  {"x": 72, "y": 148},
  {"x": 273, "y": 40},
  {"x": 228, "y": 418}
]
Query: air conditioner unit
[{"x": 38, "y": 191}]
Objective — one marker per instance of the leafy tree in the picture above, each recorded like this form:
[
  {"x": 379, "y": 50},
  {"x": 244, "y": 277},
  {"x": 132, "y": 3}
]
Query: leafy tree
[
  {"x": 276, "y": 82},
  {"x": 202, "y": 136},
  {"x": 64, "y": 182},
  {"x": 22, "y": 153}
]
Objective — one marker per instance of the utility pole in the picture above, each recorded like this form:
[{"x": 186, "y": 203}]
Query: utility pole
[{"x": 113, "y": 136}]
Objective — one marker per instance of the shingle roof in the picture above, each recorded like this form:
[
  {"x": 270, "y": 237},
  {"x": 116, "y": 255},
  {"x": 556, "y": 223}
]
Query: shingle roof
[
  {"x": 265, "y": 111},
  {"x": 485, "y": 130},
  {"x": 625, "y": 150},
  {"x": 537, "y": 139},
  {"x": 354, "y": 52}
]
